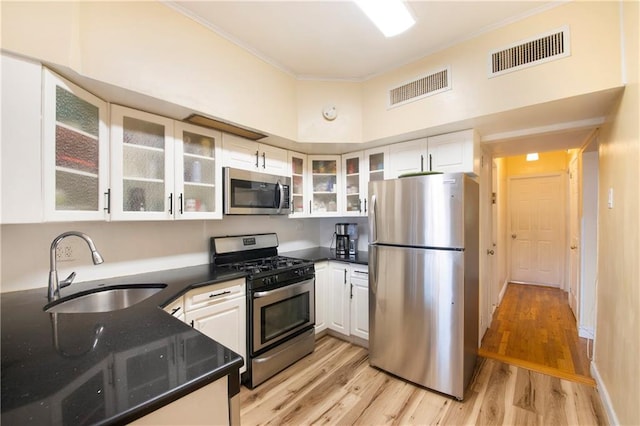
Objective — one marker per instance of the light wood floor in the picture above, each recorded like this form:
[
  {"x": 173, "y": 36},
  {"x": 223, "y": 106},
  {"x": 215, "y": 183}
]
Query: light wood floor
[
  {"x": 534, "y": 328},
  {"x": 335, "y": 385}
]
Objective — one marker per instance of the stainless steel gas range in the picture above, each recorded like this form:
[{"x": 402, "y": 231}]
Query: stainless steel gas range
[{"x": 280, "y": 302}]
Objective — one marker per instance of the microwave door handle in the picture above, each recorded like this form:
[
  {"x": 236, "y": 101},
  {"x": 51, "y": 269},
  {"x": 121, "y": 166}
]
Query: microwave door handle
[{"x": 281, "y": 193}]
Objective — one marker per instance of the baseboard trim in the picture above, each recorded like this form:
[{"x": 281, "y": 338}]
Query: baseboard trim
[
  {"x": 502, "y": 292},
  {"x": 604, "y": 396},
  {"x": 586, "y": 332}
]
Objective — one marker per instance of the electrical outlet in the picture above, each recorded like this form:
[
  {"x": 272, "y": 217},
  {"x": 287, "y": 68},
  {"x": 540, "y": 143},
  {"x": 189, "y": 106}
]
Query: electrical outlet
[{"x": 64, "y": 253}]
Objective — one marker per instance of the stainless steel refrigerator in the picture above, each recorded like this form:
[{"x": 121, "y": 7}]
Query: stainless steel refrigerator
[{"x": 423, "y": 279}]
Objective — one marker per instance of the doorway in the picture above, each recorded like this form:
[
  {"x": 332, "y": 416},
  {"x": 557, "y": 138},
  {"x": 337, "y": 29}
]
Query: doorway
[{"x": 533, "y": 325}]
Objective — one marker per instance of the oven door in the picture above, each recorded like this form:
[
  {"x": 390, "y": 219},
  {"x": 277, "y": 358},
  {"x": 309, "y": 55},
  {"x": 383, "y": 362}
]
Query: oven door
[
  {"x": 248, "y": 192},
  {"x": 279, "y": 313}
]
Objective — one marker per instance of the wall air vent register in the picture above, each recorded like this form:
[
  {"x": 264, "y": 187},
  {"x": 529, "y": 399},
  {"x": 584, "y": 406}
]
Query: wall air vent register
[
  {"x": 540, "y": 49},
  {"x": 429, "y": 85}
]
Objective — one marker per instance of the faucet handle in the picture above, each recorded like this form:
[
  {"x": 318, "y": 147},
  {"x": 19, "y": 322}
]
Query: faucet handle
[{"x": 67, "y": 281}]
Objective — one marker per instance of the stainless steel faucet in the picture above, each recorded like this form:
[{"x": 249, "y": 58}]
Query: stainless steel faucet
[{"x": 54, "y": 284}]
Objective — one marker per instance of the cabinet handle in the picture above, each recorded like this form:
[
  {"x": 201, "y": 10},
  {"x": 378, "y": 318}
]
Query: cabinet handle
[
  {"x": 108, "y": 201},
  {"x": 421, "y": 163},
  {"x": 220, "y": 294},
  {"x": 359, "y": 205},
  {"x": 430, "y": 163},
  {"x": 257, "y": 156},
  {"x": 361, "y": 272},
  {"x": 191, "y": 323},
  {"x": 171, "y": 203},
  {"x": 351, "y": 292},
  {"x": 345, "y": 275},
  {"x": 309, "y": 206},
  {"x": 173, "y": 312},
  {"x": 365, "y": 206},
  {"x": 264, "y": 160},
  {"x": 180, "y": 199}
]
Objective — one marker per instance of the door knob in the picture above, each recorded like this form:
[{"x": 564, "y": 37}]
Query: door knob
[
  {"x": 514, "y": 236},
  {"x": 574, "y": 247},
  {"x": 491, "y": 252}
]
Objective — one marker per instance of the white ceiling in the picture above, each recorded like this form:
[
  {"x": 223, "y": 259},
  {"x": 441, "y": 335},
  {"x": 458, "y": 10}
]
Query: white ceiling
[{"x": 334, "y": 40}]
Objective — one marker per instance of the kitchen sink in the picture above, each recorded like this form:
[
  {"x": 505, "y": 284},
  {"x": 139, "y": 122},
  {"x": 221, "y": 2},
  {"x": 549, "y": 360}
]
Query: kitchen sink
[{"x": 106, "y": 299}]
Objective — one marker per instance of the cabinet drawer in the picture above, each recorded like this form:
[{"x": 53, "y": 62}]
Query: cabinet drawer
[{"x": 214, "y": 293}]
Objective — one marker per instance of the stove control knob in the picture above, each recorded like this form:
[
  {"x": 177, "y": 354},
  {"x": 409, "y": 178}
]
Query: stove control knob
[
  {"x": 266, "y": 280},
  {"x": 275, "y": 278}
]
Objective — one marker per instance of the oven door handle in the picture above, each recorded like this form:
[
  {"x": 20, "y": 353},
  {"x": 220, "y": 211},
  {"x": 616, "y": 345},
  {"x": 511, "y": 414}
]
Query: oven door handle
[{"x": 286, "y": 289}]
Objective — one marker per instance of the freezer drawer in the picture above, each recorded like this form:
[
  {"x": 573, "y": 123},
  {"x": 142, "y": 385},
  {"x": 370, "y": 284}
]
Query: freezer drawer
[{"x": 417, "y": 317}]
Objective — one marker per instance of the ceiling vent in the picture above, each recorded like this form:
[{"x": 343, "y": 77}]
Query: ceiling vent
[
  {"x": 428, "y": 85},
  {"x": 535, "y": 51}
]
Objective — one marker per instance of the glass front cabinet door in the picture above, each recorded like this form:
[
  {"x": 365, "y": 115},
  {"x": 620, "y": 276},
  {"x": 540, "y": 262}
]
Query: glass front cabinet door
[
  {"x": 198, "y": 173},
  {"x": 142, "y": 165},
  {"x": 354, "y": 184},
  {"x": 75, "y": 151},
  {"x": 299, "y": 204},
  {"x": 325, "y": 184}
]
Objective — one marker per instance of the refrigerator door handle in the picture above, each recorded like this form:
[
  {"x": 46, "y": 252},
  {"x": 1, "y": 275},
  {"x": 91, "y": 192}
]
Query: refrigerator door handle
[
  {"x": 373, "y": 270},
  {"x": 373, "y": 224}
]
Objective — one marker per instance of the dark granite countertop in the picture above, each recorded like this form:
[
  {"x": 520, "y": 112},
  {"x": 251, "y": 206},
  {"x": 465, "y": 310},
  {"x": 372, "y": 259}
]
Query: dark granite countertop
[
  {"x": 318, "y": 254},
  {"x": 105, "y": 368}
]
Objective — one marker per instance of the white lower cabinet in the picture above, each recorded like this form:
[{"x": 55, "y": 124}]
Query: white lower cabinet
[
  {"x": 322, "y": 287},
  {"x": 359, "y": 278},
  {"x": 339, "y": 311},
  {"x": 219, "y": 312},
  {"x": 348, "y": 299}
]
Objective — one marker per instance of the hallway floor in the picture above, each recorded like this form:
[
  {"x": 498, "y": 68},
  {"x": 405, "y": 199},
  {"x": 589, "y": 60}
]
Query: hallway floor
[{"x": 534, "y": 328}]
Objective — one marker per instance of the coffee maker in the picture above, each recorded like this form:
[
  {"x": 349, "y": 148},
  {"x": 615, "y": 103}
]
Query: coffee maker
[{"x": 346, "y": 239}]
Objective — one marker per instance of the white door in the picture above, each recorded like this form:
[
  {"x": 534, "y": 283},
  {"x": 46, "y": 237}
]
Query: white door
[
  {"x": 574, "y": 236},
  {"x": 360, "y": 303},
  {"x": 537, "y": 229}
]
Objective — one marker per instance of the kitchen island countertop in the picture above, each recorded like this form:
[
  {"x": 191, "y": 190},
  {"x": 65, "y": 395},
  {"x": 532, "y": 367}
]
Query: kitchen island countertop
[
  {"x": 109, "y": 367},
  {"x": 319, "y": 254}
]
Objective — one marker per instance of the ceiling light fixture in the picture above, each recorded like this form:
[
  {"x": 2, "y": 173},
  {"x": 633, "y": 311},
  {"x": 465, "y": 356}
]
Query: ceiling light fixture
[
  {"x": 392, "y": 17},
  {"x": 532, "y": 156}
]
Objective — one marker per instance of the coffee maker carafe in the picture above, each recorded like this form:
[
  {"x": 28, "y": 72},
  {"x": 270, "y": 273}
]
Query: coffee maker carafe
[{"x": 346, "y": 239}]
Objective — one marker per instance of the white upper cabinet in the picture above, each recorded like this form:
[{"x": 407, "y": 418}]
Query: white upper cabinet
[
  {"x": 360, "y": 168},
  {"x": 249, "y": 155},
  {"x": 21, "y": 156},
  {"x": 141, "y": 165},
  {"x": 448, "y": 153},
  {"x": 75, "y": 152},
  {"x": 455, "y": 152},
  {"x": 163, "y": 169},
  {"x": 325, "y": 185},
  {"x": 354, "y": 193},
  {"x": 198, "y": 173},
  {"x": 407, "y": 157},
  {"x": 377, "y": 163},
  {"x": 299, "y": 195}
]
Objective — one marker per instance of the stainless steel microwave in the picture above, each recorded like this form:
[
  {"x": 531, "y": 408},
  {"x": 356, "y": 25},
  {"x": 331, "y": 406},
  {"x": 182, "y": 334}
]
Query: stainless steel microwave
[{"x": 247, "y": 192}]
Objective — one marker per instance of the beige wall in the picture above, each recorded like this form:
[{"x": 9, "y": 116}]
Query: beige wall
[
  {"x": 617, "y": 342},
  {"x": 151, "y": 49},
  {"x": 549, "y": 162},
  {"x": 594, "y": 34},
  {"x": 345, "y": 96}
]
